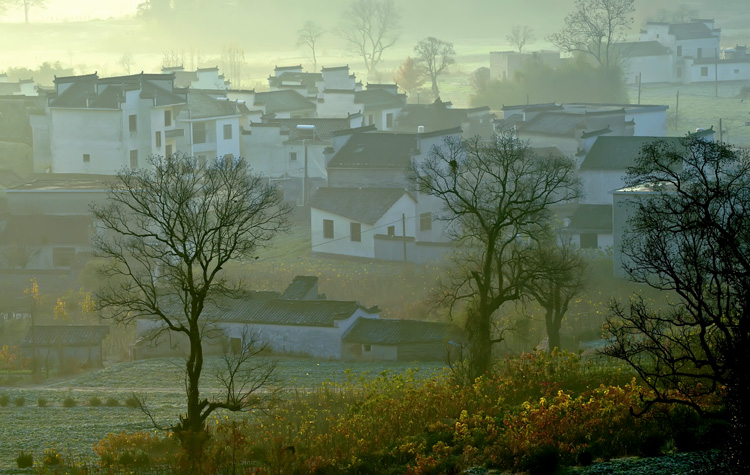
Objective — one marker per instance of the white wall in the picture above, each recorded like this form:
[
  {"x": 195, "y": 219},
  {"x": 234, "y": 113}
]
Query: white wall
[{"x": 99, "y": 133}]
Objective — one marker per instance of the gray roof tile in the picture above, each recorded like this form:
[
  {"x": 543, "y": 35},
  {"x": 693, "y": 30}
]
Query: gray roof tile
[{"x": 365, "y": 205}]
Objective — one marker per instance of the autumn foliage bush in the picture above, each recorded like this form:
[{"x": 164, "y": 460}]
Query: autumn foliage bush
[{"x": 536, "y": 412}]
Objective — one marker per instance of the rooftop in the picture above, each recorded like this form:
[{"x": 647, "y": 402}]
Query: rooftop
[{"x": 365, "y": 205}]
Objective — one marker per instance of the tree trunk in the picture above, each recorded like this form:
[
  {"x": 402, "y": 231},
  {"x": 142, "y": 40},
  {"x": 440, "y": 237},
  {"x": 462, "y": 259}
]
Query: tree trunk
[
  {"x": 435, "y": 90},
  {"x": 480, "y": 340}
]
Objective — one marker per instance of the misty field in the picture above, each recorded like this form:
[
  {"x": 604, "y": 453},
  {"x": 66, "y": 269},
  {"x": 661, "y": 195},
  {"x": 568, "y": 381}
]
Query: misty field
[{"x": 73, "y": 431}]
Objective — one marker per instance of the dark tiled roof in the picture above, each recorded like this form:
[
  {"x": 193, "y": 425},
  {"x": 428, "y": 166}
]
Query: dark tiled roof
[
  {"x": 553, "y": 123},
  {"x": 204, "y": 105},
  {"x": 65, "y": 335},
  {"x": 293, "y": 78},
  {"x": 283, "y": 101},
  {"x": 108, "y": 93},
  {"x": 595, "y": 133},
  {"x": 324, "y": 127},
  {"x": 432, "y": 116},
  {"x": 642, "y": 48},
  {"x": 619, "y": 153},
  {"x": 365, "y": 205},
  {"x": 591, "y": 218},
  {"x": 66, "y": 182},
  {"x": 372, "y": 331},
  {"x": 300, "y": 286},
  {"x": 689, "y": 31},
  {"x": 376, "y": 150},
  {"x": 379, "y": 98}
]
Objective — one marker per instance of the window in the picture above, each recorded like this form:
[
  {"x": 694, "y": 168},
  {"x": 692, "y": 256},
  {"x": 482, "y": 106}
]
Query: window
[
  {"x": 589, "y": 241},
  {"x": 134, "y": 159},
  {"x": 328, "y": 228},
  {"x": 86, "y": 158},
  {"x": 167, "y": 118},
  {"x": 228, "y": 132},
  {"x": 63, "y": 256},
  {"x": 158, "y": 139},
  {"x": 133, "y": 123},
  {"x": 736, "y": 71},
  {"x": 199, "y": 132},
  {"x": 389, "y": 120},
  {"x": 679, "y": 51},
  {"x": 366, "y": 347},
  {"x": 168, "y": 150},
  {"x": 704, "y": 71},
  {"x": 293, "y": 156},
  {"x": 355, "y": 232},
  {"x": 425, "y": 221},
  {"x": 699, "y": 53},
  {"x": 391, "y": 231}
]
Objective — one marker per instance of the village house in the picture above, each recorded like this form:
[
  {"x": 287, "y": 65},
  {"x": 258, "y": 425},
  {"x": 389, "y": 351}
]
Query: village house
[
  {"x": 298, "y": 322},
  {"x": 24, "y": 87},
  {"x": 69, "y": 347},
  {"x": 207, "y": 79},
  {"x": 439, "y": 115},
  {"x": 506, "y": 64}
]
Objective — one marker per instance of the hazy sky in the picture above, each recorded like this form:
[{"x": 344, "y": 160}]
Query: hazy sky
[{"x": 79, "y": 9}]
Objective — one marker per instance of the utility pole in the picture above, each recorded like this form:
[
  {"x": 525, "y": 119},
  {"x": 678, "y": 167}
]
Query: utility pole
[
  {"x": 716, "y": 73},
  {"x": 721, "y": 132},
  {"x": 403, "y": 232},
  {"x": 305, "y": 128},
  {"x": 677, "y": 110},
  {"x": 639, "y": 88}
]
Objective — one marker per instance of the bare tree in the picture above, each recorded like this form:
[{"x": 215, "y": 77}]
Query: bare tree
[
  {"x": 520, "y": 35},
  {"x": 594, "y": 27},
  {"x": 496, "y": 195},
  {"x": 27, "y": 5},
  {"x": 558, "y": 270},
  {"x": 690, "y": 238},
  {"x": 434, "y": 56},
  {"x": 168, "y": 232},
  {"x": 308, "y": 36},
  {"x": 233, "y": 60},
  {"x": 172, "y": 58},
  {"x": 126, "y": 62},
  {"x": 369, "y": 28}
]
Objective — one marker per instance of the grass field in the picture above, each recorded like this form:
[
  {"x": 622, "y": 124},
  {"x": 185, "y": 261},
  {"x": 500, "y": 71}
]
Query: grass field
[{"x": 73, "y": 431}]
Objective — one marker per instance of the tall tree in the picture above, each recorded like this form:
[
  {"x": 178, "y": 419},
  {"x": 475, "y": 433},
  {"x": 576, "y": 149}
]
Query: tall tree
[
  {"x": 520, "y": 35},
  {"x": 370, "y": 27},
  {"x": 26, "y": 5},
  {"x": 168, "y": 231},
  {"x": 689, "y": 236},
  {"x": 434, "y": 56},
  {"x": 409, "y": 76},
  {"x": 308, "y": 36},
  {"x": 594, "y": 27},
  {"x": 496, "y": 195},
  {"x": 233, "y": 60}
]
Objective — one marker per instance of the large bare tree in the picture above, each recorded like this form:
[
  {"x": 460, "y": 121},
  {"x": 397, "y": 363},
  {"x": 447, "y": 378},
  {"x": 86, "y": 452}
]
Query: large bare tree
[
  {"x": 688, "y": 235},
  {"x": 370, "y": 27},
  {"x": 167, "y": 232},
  {"x": 496, "y": 194},
  {"x": 308, "y": 36},
  {"x": 520, "y": 35},
  {"x": 434, "y": 56},
  {"x": 594, "y": 27},
  {"x": 27, "y": 5}
]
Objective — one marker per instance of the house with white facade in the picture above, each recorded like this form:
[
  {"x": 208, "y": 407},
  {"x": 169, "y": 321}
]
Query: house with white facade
[
  {"x": 101, "y": 125},
  {"x": 475, "y": 121},
  {"x": 203, "y": 78},
  {"x": 23, "y": 87}
]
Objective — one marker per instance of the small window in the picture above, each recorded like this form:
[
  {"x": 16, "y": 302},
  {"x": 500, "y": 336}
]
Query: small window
[
  {"x": 168, "y": 150},
  {"x": 425, "y": 221},
  {"x": 293, "y": 156},
  {"x": 86, "y": 158},
  {"x": 589, "y": 241},
  {"x": 389, "y": 120},
  {"x": 679, "y": 51},
  {"x": 158, "y": 139},
  {"x": 134, "y": 159},
  {"x": 228, "y": 132},
  {"x": 736, "y": 71},
  {"x": 167, "y": 118},
  {"x": 328, "y": 228},
  {"x": 704, "y": 71},
  {"x": 199, "y": 132},
  {"x": 355, "y": 232},
  {"x": 133, "y": 123},
  {"x": 366, "y": 348},
  {"x": 63, "y": 256},
  {"x": 391, "y": 231}
]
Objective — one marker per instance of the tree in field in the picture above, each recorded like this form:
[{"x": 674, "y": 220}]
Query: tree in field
[
  {"x": 594, "y": 28},
  {"x": 369, "y": 28},
  {"x": 409, "y": 76},
  {"x": 496, "y": 194},
  {"x": 434, "y": 56},
  {"x": 233, "y": 60},
  {"x": 27, "y": 5},
  {"x": 520, "y": 35},
  {"x": 690, "y": 237},
  {"x": 168, "y": 232},
  {"x": 308, "y": 36},
  {"x": 558, "y": 274}
]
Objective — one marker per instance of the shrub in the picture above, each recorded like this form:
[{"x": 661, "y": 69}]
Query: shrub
[
  {"x": 25, "y": 460},
  {"x": 4, "y": 400},
  {"x": 111, "y": 402},
  {"x": 136, "y": 450},
  {"x": 95, "y": 402},
  {"x": 19, "y": 401},
  {"x": 132, "y": 402},
  {"x": 69, "y": 402},
  {"x": 51, "y": 457},
  {"x": 41, "y": 402}
]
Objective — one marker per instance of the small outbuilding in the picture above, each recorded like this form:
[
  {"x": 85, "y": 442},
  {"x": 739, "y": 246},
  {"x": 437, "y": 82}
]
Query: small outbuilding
[{"x": 65, "y": 346}]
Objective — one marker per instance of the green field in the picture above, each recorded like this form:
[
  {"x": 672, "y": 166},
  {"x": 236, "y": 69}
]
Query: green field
[{"x": 73, "y": 431}]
